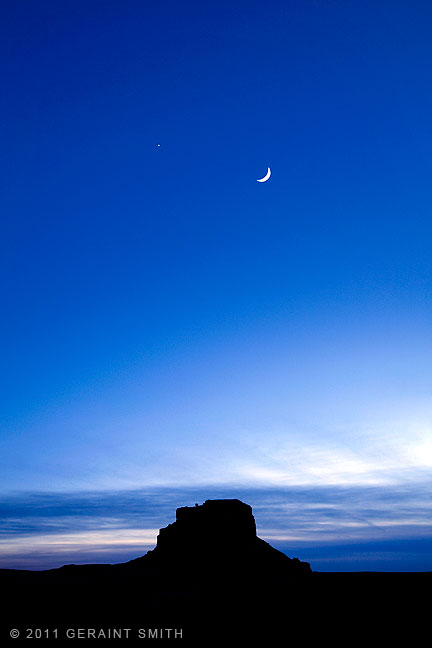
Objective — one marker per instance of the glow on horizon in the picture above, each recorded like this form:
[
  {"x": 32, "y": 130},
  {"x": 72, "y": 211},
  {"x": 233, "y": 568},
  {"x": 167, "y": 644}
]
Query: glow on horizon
[
  {"x": 44, "y": 551},
  {"x": 354, "y": 519}
]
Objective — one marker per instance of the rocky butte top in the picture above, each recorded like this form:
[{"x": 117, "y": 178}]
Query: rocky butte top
[
  {"x": 221, "y": 522},
  {"x": 220, "y": 535}
]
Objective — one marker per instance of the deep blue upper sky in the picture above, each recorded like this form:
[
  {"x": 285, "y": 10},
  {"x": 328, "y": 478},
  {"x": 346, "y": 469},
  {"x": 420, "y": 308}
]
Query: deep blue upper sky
[{"x": 166, "y": 318}]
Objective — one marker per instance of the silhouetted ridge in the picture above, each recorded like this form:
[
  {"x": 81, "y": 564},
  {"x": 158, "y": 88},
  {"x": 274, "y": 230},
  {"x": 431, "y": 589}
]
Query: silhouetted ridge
[
  {"x": 207, "y": 544},
  {"x": 219, "y": 536},
  {"x": 211, "y": 576}
]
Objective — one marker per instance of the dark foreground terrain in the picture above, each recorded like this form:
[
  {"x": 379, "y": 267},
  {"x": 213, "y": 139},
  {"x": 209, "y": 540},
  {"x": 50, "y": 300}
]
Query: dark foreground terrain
[{"x": 210, "y": 581}]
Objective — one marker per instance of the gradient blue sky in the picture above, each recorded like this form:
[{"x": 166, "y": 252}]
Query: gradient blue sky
[{"x": 172, "y": 326}]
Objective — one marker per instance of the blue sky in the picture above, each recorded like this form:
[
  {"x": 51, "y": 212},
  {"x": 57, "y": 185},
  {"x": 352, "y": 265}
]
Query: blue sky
[{"x": 171, "y": 325}]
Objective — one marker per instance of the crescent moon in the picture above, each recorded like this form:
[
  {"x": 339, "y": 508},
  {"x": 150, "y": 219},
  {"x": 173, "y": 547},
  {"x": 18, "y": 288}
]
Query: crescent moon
[{"x": 266, "y": 177}]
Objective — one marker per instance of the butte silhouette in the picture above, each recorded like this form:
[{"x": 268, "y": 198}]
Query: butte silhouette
[{"x": 210, "y": 580}]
